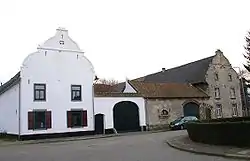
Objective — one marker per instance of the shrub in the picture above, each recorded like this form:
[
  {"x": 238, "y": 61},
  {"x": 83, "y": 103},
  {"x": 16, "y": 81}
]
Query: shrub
[
  {"x": 230, "y": 132},
  {"x": 231, "y": 119}
]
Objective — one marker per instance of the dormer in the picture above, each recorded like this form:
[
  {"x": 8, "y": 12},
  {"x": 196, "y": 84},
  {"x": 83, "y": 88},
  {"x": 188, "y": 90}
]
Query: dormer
[{"x": 128, "y": 88}]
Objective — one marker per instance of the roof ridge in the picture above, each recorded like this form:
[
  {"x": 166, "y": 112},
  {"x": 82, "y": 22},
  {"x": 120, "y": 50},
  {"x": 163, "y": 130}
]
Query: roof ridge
[
  {"x": 170, "y": 83},
  {"x": 176, "y": 67},
  {"x": 198, "y": 88}
]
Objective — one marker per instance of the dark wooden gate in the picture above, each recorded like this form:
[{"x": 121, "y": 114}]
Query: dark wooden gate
[
  {"x": 99, "y": 124},
  {"x": 191, "y": 109},
  {"x": 126, "y": 116}
]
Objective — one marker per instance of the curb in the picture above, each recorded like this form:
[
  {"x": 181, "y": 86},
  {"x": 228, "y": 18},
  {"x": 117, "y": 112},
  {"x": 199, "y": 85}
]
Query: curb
[
  {"x": 55, "y": 141},
  {"x": 71, "y": 139},
  {"x": 235, "y": 156},
  {"x": 90, "y": 138},
  {"x": 77, "y": 139}
]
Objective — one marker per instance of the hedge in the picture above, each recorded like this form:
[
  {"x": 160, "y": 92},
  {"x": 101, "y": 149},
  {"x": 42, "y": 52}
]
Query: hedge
[
  {"x": 231, "y": 119},
  {"x": 235, "y": 133}
]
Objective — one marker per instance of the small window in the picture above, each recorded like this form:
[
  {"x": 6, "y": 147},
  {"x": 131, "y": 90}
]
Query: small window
[
  {"x": 39, "y": 120},
  {"x": 230, "y": 78},
  {"x": 39, "y": 92},
  {"x": 234, "y": 109},
  {"x": 164, "y": 112},
  {"x": 217, "y": 93},
  {"x": 76, "y": 93},
  {"x": 61, "y": 42},
  {"x": 232, "y": 93},
  {"x": 218, "y": 111},
  {"x": 216, "y": 77},
  {"x": 248, "y": 90},
  {"x": 77, "y": 118}
]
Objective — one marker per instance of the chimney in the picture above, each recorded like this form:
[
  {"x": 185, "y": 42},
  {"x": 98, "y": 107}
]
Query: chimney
[
  {"x": 163, "y": 69},
  {"x": 218, "y": 51},
  {"x": 62, "y": 33}
]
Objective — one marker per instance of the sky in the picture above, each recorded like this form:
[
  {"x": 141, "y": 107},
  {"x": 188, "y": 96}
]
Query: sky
[{"x": 126, "y": 39}]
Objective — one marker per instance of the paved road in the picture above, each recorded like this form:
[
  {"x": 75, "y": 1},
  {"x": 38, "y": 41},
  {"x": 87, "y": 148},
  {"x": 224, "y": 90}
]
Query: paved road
[{"x": 131, "y": 147}]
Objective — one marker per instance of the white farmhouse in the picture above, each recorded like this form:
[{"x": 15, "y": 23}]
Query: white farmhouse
[{"x": 52, "y": 93}]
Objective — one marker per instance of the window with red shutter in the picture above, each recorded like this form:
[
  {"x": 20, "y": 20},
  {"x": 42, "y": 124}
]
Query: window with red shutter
[
  {"x": 48, "y": 119},
  {"x": 39, "y": 119},
  {"x": 77, "y": 118},
  {"x": 30, "y": 120},
  {"x": 69, "y": 123},
  {"x": 84, "y": 118}
]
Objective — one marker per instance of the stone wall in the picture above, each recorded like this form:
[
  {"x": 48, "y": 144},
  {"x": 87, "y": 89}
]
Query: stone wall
[
  {"x": 174, "y": 107},
  {"x": 223, "y": 68}
]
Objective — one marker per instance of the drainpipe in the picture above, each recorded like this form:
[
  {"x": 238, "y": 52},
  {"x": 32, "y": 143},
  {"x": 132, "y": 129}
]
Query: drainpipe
[
  {"x": 243, "y": 89},
  {"x": 244, "y": 96},
  {"x": 146, "y": 114},
  {"x": 19, "y": 111},
  {"x": 93, "y": 105}
]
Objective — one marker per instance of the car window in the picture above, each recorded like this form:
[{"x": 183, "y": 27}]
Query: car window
[
  {"x": 193, "y": 118},
  {"x": 187, "y": 118},
  {"x": 190, "y": 118}
]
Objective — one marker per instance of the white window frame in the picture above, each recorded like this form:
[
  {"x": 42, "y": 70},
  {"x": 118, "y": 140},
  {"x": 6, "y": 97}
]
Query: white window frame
[
  {"x": 232, "y": 93},
  {"x": 230, "y": 77},
  {"x": 234, "y": 109},
  {"x": 216, "y": 76},
  {"x": 217, "y": 93},
  {"x": 218, "y": 111}
]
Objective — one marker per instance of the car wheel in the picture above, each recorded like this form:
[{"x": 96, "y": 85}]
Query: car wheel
[{"x": 182, "y": 127}]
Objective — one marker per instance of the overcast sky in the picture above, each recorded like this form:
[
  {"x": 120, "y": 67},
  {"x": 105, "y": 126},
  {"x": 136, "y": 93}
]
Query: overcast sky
[{"x": 128, "y": 38}]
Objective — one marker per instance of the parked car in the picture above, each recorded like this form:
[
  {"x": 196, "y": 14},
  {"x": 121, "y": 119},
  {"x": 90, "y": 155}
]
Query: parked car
[{"x": 180, "y": 123}]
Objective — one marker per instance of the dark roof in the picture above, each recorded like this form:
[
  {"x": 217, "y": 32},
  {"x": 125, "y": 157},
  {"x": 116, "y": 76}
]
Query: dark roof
[
  {"x": 167, "y": 90},
  {"x": 119, "y": 87},
  {"x": 116, "y": 94},
  {"x": 103, "y": 88},
  {"x": 155, "y": 90},
  {"x": 193, "y": 72},
  {"x": 13, "y": 81}
]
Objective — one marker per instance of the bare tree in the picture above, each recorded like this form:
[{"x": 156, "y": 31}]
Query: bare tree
[
  {"x": 107, "y": 81},
  {"x": 247, "y": 50}
]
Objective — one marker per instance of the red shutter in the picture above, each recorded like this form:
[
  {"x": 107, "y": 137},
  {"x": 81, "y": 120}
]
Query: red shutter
[
  {"x": 69, "y": 124},
  {"x": 30, "y": 120},
  {"x": 84, "y": 118},
  {"x": 48, "y": 119}
]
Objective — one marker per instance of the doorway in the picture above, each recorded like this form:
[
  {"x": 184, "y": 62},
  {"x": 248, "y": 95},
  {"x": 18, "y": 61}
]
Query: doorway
[{"x": 99, "y": 124}]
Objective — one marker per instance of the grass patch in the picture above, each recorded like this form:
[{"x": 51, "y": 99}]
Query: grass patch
[{"x": 6, "y": 137}]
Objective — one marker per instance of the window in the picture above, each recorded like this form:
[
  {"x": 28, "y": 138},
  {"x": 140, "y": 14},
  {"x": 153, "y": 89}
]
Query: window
[
  {"x": 232, "y": 93},
  {"x": 77, "y": 118},
  {"x": 76, "y": 93},
  {"x": 39, "y": 92},
  {"x": 248, "y": 90},
  {"x": 164, "y": 112},
  {"x": 61, "y": 42},
  {"x": 39, "y": 120},
  {"x": 229, "y": 77},
  {"x": 234, "y": 109},
  {"x": 216, "y": 77},
  {"x": 218, "y": 111},
  {"x": 217, "y": 93},
  {"x": 190, "y": 118}
]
